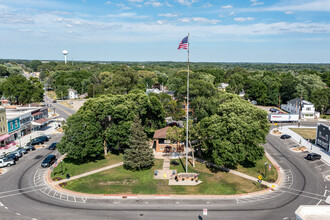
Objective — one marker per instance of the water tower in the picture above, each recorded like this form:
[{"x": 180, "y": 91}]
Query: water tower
[{"x": 65, "y": 52}]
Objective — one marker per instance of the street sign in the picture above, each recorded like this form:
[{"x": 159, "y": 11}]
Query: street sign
[
  {"x": 275, "y": 124},
  {"x": 260, "y": 177},
  {"x": 204, "y": 211}
]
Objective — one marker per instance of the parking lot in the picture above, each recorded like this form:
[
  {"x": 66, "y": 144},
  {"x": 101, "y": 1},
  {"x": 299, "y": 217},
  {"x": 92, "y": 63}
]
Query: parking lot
[
  {"x": 317, "y": 165},
  {"x": 31, "y": 154}
]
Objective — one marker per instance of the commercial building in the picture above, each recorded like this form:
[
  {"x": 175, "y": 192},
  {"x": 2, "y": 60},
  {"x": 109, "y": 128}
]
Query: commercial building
[{"x": 3, "y": 127}]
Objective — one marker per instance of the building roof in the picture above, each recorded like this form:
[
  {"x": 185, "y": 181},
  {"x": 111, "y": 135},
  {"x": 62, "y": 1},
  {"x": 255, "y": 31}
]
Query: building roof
[
  {"x": 157, "y": 91},
  {"x": 40, "y": 121},
  {"x": 37, "y": 113},
  {"x": 161, "y": 133},
  {"x": 297, "y": 101},
  {"x": 72, "y": 90},
  {"x": 223, "y": 85}
]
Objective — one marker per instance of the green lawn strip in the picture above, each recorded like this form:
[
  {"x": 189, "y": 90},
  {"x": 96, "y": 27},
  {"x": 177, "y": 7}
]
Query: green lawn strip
[
  {"x": 76, "y": 169},
  {"x": 121, "y": 181},
  {"x": 259, "y": 169},
  {"x": 307, "y": 133},
  {"x": 325, "y": 116},
  {"x": 51, "y": 94}
]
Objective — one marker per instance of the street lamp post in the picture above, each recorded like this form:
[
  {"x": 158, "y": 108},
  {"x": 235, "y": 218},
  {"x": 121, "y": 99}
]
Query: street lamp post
[{"x": 266, "y": 169}]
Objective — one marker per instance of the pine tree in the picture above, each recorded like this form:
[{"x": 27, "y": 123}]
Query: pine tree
[{"x": 139, "y": 156}]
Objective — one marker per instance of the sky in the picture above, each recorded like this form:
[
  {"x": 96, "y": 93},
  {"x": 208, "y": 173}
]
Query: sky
[{"x": 284, "y": 31}]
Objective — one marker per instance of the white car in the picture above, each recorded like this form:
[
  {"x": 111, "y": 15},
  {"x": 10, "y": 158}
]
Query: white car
[{"x": 6, "y": 162}]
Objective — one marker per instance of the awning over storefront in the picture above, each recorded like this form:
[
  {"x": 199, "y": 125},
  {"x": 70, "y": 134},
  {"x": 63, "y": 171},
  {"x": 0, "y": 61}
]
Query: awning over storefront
[
  {"x": 40, "y": 121},
  {"x": 4, "y": 136}
]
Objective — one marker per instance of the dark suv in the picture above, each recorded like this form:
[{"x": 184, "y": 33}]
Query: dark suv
[
  {"x": 48, "y": 161},
  {"x": 39, "y": 140},
  {"x": 313, "y": 156}
]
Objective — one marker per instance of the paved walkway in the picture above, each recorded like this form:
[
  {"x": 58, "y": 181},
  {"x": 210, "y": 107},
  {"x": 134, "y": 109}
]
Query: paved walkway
[
  {"x": 88, "y": 173},
  {"x": 301, "y": 141}
]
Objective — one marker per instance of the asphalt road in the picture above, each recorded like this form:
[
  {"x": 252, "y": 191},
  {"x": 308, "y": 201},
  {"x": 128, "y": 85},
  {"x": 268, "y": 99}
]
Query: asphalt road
[
  {"x": 304, "y": 185},
  {"x": 62, "y": 110}
]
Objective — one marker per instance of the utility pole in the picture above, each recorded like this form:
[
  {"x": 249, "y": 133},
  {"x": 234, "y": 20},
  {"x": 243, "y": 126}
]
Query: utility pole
[{"x": 300, "y": 107}]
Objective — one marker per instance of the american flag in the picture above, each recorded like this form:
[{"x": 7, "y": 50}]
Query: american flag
[{"x": 183, "y": 44}]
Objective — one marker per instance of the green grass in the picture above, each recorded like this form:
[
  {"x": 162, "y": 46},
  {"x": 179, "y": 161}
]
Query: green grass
[
  {"x": 307, "y": 133},
  {"x": 75, "y": 169},
  {"x": 325, "y": 116},
  {"x": 121, "y": 181},
  {"x": 51, "y": 94},
  {"x": 259, "y": 169}
]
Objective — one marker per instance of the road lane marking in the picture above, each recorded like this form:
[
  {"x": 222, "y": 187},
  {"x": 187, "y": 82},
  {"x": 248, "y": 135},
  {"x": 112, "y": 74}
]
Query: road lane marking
[{"x": 15, "y": 194}]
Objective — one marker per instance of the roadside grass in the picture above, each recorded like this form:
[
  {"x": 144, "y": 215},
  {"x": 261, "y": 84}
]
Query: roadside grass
[
  {"x": 325, "y": 116},
  {"x": 259, "y": 169},
  {"x": 51, "y": 94},
  {"x": 307, "y": 133},
  {"x": 121, "y": 181},
  {"x": 65, "y": 103},
  {"x": 76, "y": 169}
]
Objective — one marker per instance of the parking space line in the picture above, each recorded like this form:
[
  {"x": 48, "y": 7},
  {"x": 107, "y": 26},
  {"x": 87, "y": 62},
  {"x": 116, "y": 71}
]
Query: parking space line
[{"x": 320, "y": 165}]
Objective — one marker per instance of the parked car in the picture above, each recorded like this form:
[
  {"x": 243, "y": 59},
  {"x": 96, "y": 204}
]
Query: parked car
[
  {"x": 52, "y": 146},
  {"x": 29, "y": 147},
  {"x": 17, "y": 153},
  {"x": 7, "y": 162},
  {"x": 313, "y": 156},
  {"x": 11, "y": 156},
  {"x": 273, "y": 110},
  {"x": 22, "y": 150},
  {"x": 39, "y": 140},
  {"x": 285, "y": 136},
  {"x": 48, "y": 161}
]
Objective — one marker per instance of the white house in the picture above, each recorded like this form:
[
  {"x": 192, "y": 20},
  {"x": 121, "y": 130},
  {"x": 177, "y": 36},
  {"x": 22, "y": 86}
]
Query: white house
[
  {"x": 223, "y": 86},
  {"x": 73, "y": 94},
  {"x": 307, "y": 108}
]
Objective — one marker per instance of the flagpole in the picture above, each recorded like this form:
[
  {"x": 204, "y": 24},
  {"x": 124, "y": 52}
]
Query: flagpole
[{"x": 187, "y": 103}]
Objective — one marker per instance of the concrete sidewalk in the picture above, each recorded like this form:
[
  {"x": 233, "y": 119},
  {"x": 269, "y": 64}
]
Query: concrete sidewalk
[
  {"x": 303, "y": 142},
  {"x": 88, "y": 173}
]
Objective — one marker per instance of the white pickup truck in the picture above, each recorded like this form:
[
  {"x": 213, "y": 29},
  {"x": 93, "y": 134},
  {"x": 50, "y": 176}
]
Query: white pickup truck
[{"x": 6, "y": 162}]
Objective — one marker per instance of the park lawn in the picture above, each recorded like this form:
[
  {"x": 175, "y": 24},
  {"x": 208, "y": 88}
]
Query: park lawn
[
  {"x": 76, "y": 169},
  {"x": 121, "y": 181},
  {"x": 325, "y": 116},
  {"x": 307, "y": 133},
  {"x": 259, "y": 169}
]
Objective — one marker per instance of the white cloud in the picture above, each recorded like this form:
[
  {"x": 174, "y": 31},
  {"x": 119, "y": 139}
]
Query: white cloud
[
  {"x": 24, "y": 30},
  {"x": 108, "y": 3},
  {"x": 69, "y": 25},
  {"x": 168, "y": 15},
  {"x": 316, "y": 5},
  {"x": 187, "y": 2},
  {"x": 123, "y": 7},
  {"x": 255, "y": 2},
  {"x": 135, "y": 0},
  {"x": 227, "y": 6},
  {"x": 154, "y": 3},
  {"x": 43, "y": 31},
  {"x": 122, "y": 15},
  {"x": 199, "y": 20},
  {"x": 232, "y": 13},
  {"x": 160, "y": 22},
  {"x": 242, "y": 19},
  {"x": 289, "y": 12},
  {"x": 207, "y": 5}
]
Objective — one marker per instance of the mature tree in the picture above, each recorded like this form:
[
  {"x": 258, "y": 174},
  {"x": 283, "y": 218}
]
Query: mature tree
[
  {"x": 3, "y": 71},
  {"x": 139, "y": 155},
  {"x": 173, "y": 108},
  {"x": 321, "y": 99},
  {"x": 288, "y": 89},
  {"x": 122, "y": 109},
  {"x": 124, "y": 80},
  {"x": 308, "y": 83},
  {"x": 257, "y": 90},
  {"x": 233, "y": 135},
  {"x": 19, "y": 90},
  {"x": 34, "y": 64}
]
